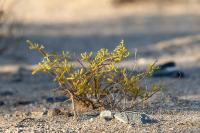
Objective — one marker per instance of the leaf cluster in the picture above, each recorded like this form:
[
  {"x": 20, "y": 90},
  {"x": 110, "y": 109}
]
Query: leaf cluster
[{"x": 98, "y": 83}]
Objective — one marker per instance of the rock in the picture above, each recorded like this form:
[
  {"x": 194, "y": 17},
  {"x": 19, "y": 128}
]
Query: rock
[
  {"x": 107, "y": 115},
  {"x": 92, "y": 113},
  {"x": 54, "y": 112},
  {"x": 168, "y": 73},
  {"x": 89, "y": 115},
  {"x": 168, "y": 70},
  {"x": 167, "y": 65},
  {"x": 130, "y": 117}
]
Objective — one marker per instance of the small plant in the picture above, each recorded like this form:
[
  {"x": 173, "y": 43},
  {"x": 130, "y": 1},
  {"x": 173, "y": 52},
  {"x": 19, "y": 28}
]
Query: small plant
[{"x": 98, "y": 83}]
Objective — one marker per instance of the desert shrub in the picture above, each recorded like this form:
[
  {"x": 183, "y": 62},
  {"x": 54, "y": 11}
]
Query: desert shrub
[{"x": 98, "y": 83}]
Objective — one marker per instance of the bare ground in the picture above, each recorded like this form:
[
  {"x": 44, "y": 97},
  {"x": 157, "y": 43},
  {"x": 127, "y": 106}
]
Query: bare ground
[{"x": 166, "y": 33}]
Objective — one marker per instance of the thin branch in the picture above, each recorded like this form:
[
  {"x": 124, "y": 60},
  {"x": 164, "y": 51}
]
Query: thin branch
[{"x": 80, "y": 62}]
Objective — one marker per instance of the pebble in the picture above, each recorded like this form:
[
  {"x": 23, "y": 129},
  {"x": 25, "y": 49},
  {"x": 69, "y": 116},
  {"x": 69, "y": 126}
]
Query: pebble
[
  {"x": 168, "y": 69},
  {"x": 92, "y": 113},
  {"x": 91, "y": 119},
  {"x": 130, "y": 117},
  {"x": 89, "y": 115},
  {"x": 107, "y": 115}
]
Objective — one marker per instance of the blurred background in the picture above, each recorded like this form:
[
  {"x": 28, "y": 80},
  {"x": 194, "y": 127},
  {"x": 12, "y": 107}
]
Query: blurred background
[{"x": 159, "y": 29}]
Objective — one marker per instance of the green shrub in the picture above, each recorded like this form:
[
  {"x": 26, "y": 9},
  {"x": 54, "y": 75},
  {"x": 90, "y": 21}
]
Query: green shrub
[{"x": 98, "y": 83}]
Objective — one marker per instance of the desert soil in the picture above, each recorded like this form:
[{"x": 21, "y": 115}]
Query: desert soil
[{"x": 164, "y": 32}]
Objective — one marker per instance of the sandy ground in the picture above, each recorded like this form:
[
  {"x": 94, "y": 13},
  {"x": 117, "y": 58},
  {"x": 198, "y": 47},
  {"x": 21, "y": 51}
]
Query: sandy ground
[{"x": 166, "y": 33}]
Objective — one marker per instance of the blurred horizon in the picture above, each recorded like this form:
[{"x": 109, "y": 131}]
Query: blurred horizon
[{"x": 155, "y": 28}]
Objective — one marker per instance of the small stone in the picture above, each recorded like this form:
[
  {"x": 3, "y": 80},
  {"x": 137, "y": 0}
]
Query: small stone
[
  {"x": 107, "y": 115},
  {"x": 54, "y": 112},
  {"x": 129, "y": 117},
  {"x": 91, "y": 119},
  {"x": 89, "y": 115}
]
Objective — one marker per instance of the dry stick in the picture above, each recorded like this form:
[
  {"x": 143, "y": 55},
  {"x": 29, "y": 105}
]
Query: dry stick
[
  {"x": 73, "y": 106},
  {"x": 110, "y": 102},
  {"x": 80, "y": 62},
  {"x": 111, "y": 105},
  {"x": 124, "y": 95},
  {"x": 71, "y": 97},
  {"x": 115, "y": 102},
  {"x": 99, "y": 89},
  {"x": 96, "y": 86}
]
